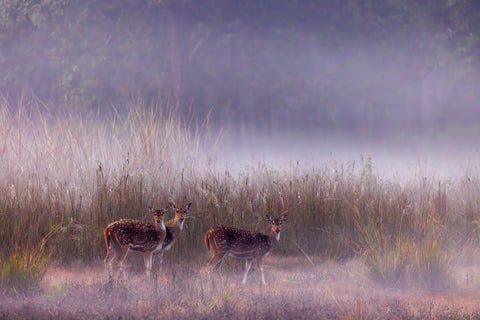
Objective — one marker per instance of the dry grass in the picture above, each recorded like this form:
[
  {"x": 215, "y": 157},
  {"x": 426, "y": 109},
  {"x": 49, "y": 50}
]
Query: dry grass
[
  {"x": 324, "y": 290},
  {"x": 64, "y": 178}
]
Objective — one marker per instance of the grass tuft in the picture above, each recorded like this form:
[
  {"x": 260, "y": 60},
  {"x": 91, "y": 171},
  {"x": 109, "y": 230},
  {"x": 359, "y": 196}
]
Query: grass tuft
[{"x": 24, "y": 268}]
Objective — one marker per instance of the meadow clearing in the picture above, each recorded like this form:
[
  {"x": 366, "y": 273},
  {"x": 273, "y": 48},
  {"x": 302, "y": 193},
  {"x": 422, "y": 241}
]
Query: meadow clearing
[
  {"x": 356, "y": 245},
  {"x": 297, "y": 288}
]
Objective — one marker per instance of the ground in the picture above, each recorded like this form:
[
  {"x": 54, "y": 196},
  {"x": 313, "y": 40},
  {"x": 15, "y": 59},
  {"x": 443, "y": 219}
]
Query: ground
[{"x": 297, "y": 288}]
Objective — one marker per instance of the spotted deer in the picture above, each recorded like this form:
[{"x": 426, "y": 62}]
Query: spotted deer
[
  {"x": 124, "y": 235},
  {"x": 173, "y": 231},
  {"x": 242, "y": 244}
]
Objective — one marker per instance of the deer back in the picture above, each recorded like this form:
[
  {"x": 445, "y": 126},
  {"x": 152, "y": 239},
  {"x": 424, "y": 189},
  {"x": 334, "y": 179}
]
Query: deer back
[
  {"x": 137, "y": 235},
  {"x": 239, "y": 243}
]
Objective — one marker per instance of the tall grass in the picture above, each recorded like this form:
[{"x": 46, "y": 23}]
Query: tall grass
[
  {"x": 63, "y": 178},
  {"x": 68, "y": 176}
]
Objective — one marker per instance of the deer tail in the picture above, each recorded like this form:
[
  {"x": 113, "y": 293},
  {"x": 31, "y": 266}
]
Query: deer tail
[
  {"x": 108, "y": 241},
  {"x": 207, "y": 240}
]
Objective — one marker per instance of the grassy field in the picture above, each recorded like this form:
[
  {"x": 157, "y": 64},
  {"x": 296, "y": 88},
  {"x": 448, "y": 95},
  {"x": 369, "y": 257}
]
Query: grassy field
[
  {"x": 297, "y": 288},
  {"x": 355, "y": 245}
]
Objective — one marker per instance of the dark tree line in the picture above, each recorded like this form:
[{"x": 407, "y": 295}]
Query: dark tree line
[{"x": 310, "y": 64}]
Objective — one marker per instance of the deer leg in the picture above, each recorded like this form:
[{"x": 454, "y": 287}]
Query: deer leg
[
  {"x": 157, "y": 257},
  {"x": 160, "y": 257},
  {"x": 121, "y": 254},
  {"x": 260, "y": 266},
  {"x": 248, "y": 265},
  {"x": 215, "y": 262},
  {"x": 148, "y": 263},
  {"x": 111, "y": 255}
]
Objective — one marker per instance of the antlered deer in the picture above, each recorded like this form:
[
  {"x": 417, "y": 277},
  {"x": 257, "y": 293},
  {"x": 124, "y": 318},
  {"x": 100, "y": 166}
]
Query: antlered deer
[
  {"x": 173, "y": 231},
  {"x": 126, "y": 234},
  {"x": 242, "y": 244}
]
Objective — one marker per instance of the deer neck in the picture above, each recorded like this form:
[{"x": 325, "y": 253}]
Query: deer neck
[
  {"x": 173, "y": 233},
  {"x": 160, "y": 227},
  {"x": 177, "y": 226},
  {"x": 274, "y": 237}
]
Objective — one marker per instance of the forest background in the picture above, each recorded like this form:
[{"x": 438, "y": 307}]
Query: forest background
[{"x": 358, "y": 68}]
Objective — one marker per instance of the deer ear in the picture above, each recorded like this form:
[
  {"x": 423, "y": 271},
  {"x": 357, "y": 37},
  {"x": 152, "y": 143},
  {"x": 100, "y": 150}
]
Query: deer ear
[
  {"x": 284, "y": 217},
  {"x": 151, "y": 209},
  {"x": 188, "y": 206},
  {"x": 268, "y": 218},
  {"x": 171, "y": 205}
]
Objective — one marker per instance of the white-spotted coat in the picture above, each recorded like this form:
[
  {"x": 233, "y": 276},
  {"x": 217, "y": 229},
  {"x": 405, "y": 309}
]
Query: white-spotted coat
[
  {"x": 241, "y": 244},
  {"x": 126, "y": 234}
]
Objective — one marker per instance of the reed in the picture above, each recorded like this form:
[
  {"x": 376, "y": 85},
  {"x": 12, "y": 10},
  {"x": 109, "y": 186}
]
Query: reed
[{"x": 63, "y": 178}]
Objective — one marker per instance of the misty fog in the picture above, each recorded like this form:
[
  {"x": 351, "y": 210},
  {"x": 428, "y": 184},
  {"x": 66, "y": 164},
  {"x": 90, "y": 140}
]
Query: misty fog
[
  {"x": 279, "y": 82},
  {"x": 244, "y": 109}
]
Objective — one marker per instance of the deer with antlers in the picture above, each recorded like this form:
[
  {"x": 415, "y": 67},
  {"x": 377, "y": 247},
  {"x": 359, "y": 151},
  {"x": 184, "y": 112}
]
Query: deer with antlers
[
  {"x": 173, "y": 231},
  {"x": 126, "y": 234},
  {"x": 242, "y": 244}
]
